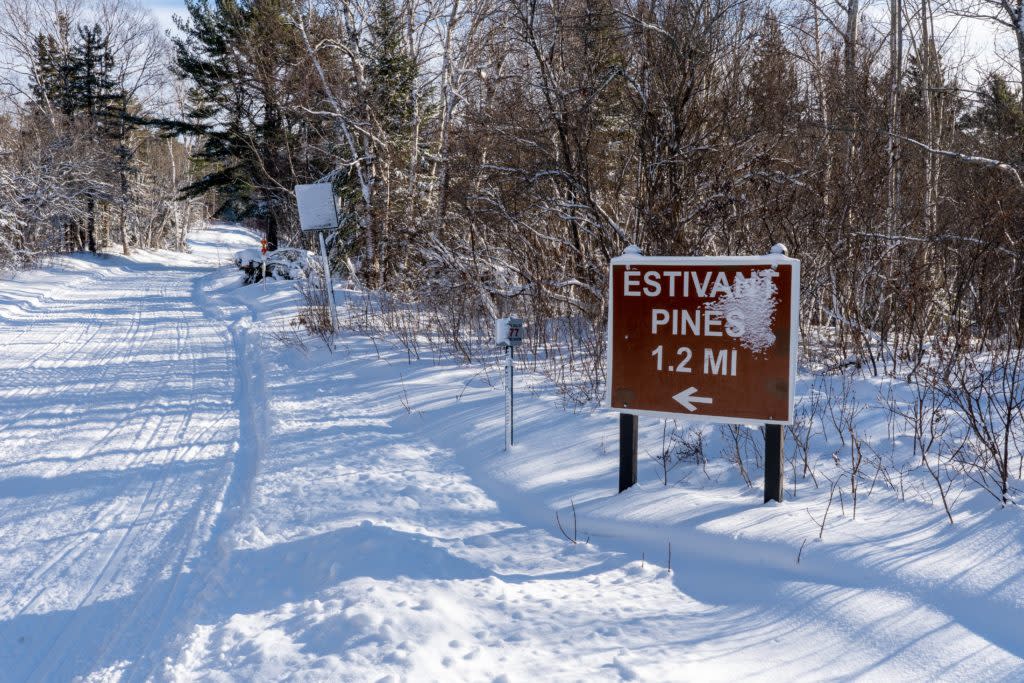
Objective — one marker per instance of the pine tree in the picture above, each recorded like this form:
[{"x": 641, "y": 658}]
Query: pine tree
[
  {"x": 773, "y": 89},
  {"x": 391, "y": 72},
  {"x": 234, "y": 54},
  {"x": 945, "y": 101},
  {"x": 203, "y": 57},
  {"x": 93, "y": 88},
  {"x": 94, "y": 93},
  {"x": 74, "y": 81},
  {"x": 997, "y": 120},
  {"x": 52, "y": 71}
]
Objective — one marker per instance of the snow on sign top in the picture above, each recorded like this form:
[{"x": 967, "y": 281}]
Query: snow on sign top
[
  {"x": 713, "y": 338},
  {"x": 317, "y": 210}
]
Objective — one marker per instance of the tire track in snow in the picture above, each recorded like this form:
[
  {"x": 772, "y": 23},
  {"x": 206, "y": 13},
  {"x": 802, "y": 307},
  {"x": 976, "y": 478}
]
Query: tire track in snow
[
  {"x": 28, "y": 371},
  {"x": 185, "y": 545},
  {"x": 178, "y": 583},
  {"x": 190, "y": 504},
  {"x": 187, "y": 592},
  {"x": 67, "y": 555},
  {"x": 126, "y": 534},
  {"x": 210, "y": 568}
]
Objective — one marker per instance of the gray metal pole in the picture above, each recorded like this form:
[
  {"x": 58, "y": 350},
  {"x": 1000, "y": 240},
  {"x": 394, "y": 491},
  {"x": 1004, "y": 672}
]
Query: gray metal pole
[
  {"x": 511, "y": 395},
  {"x": 508, "y": 398},
  {"x": 327, "y": 281}
]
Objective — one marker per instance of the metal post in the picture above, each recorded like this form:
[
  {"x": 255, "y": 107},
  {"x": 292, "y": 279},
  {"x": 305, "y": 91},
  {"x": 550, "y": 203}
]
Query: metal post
[
  {"x": 629, "y": 433},
  {"x": 509, "y": 398},
  {"x": 773, "y": 475},
  {"x": 774, "y": 436},
  {"x": 327, "y": 282},
  {"x": 263, "y": 262}
]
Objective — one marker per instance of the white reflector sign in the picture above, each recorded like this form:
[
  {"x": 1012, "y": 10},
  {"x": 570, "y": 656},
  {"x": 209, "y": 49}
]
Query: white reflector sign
[{"x": 317, "y": 210}]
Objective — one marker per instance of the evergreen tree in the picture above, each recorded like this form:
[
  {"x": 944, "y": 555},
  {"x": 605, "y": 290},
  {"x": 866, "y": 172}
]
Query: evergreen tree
[
  {"x": 94, "y": 93},
  {"x": 945, "y": 100},
  {"x": 997, "y": 120},
  {"x": 773, "y": 87},
  {"x": 391, "y": 72},
  {"x": 76, "y": 81},
  {"x": 93, "y": 88},
  {"x": 52, "y": 71},
  {"x": 203, "y": 56},
  {"x": 235, "y": 54}
]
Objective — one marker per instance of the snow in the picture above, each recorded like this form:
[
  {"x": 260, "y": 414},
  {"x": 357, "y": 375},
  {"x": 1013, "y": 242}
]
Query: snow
[
  {"x": 185, "y": 494},
  {"x": 121, "y": 439},
  {"x": 284, "y": 263},
  {"x": 749, "y": 309}
]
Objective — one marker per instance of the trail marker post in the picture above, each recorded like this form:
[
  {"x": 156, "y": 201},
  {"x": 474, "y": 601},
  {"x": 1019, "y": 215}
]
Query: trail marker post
[
  {"x": 709, "y": 338},
  {"x": 318, "y": 211},
  {"x": 263, "y": 265},
  {"x": 508, "y": 335},
  {"x": 328, "y": 282}
]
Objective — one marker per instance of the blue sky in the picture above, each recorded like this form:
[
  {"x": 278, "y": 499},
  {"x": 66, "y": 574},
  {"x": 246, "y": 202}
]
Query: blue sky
[{"x": 163, "y": 9}]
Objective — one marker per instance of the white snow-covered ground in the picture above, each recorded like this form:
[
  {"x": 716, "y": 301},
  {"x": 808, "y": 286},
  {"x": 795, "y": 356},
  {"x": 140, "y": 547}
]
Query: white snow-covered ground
[{"x": 186, "y": 496}]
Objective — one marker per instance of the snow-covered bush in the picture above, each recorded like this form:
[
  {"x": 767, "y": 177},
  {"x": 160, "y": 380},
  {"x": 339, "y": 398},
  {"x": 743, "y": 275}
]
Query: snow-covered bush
[{"x": 282, "y": 264}]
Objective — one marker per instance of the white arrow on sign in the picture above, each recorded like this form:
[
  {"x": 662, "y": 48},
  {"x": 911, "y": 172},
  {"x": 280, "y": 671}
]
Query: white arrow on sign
[{"x": 686, "y": 399}]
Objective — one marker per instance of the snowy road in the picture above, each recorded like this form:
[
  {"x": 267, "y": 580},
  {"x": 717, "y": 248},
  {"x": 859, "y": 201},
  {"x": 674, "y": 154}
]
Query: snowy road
[
  {"x": 188, "y": 491},
  {"x": 119, "y": 410}
]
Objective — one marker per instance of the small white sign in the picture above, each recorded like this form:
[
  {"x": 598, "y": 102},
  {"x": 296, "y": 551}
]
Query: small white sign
[
  {"x": 509, "y": 332},
  {"x": 317, "y": 209}
]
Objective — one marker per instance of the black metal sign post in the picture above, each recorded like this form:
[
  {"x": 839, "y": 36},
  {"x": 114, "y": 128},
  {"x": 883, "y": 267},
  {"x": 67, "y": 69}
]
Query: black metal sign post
[
  {"x": 629, "y": 431},
  {"x": 774, "y": 438},
  {"x": 773, "y": 463}
]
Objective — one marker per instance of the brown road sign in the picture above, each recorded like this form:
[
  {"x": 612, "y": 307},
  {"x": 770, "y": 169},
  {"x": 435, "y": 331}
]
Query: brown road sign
[{"x": 713, "y": 338}]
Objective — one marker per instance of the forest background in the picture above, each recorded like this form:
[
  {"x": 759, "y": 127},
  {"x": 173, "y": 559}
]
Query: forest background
[{"x": 492, "y": 156}]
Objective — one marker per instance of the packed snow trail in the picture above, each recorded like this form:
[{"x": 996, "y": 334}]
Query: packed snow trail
[
  {"x": 190, "y": 490},
  {"x": 120, "y": 459},
  {"x": 391, "y": 539}
]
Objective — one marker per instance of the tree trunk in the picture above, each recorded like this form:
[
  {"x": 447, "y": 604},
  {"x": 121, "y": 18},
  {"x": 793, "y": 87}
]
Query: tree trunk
[
  {"x": 926, "y": 103},
  {"x": 850, "y": 72},
  {"x": 90, "y": 230},
  {"x": 896, "y": 60},
  {"x": 122, "y": 217}
]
